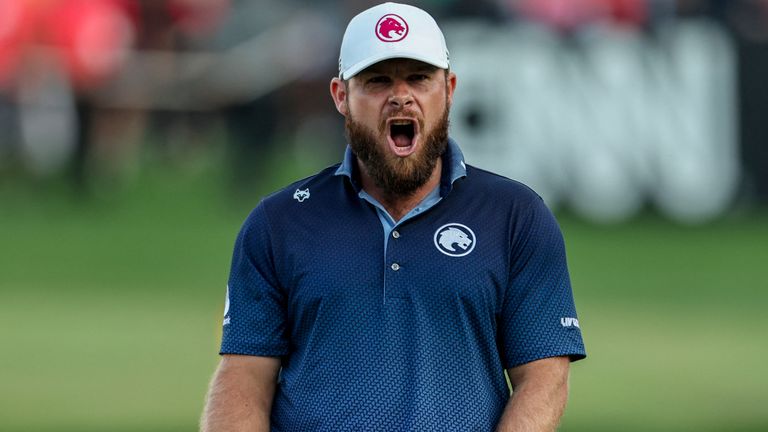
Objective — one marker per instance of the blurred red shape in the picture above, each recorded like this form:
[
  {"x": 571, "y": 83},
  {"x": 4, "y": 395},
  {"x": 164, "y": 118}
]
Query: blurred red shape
[
  {"x": 93, "y": 38},
  {"x": 16, "y": 25}
]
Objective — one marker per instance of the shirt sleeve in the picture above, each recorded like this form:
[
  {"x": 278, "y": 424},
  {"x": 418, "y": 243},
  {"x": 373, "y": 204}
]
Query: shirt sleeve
[
  {"x": 255, "y": 315},
  {"x": 538, "y": 318}
]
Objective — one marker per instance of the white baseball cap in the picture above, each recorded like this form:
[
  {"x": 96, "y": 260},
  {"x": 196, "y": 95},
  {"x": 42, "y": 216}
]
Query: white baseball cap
[{"x": 391, "y": 30}]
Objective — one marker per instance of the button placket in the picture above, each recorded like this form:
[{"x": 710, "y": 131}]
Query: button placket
[
  {"x": 396, "y": 235},
  {"x": 395, "y": 272}
]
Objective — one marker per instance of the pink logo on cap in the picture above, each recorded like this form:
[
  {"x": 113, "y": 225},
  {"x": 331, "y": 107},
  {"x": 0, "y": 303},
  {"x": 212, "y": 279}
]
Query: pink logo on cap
[{"x": 391, "y": 28}]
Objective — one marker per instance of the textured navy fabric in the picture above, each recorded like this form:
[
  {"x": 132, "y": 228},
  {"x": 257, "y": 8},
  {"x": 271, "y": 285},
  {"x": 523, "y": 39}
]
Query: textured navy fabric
[{"x": 414, "y": 337}]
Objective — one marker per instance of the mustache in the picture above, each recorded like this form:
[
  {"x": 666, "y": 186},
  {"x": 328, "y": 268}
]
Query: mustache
[{"x": 402, "y": 112}]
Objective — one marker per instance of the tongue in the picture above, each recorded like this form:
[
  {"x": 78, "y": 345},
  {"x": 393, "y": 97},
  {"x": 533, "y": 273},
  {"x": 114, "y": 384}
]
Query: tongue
[{"x": 402, "y": 140}]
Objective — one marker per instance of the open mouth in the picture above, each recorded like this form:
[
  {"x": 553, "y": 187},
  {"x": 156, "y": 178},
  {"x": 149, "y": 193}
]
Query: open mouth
[{"x": 402, "y": 136}]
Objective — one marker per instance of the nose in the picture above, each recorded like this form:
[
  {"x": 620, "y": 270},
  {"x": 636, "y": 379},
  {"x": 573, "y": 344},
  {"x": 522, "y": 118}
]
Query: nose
[{"x": 401, "y": 96}]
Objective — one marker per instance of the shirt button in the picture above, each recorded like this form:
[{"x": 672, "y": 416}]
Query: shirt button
[
  {"x": 395, "y": 266},
  {"x": 396, "y": 234}
]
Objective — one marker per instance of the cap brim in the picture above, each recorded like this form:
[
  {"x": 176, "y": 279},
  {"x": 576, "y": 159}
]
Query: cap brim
[{"x": 359, "y": 66}]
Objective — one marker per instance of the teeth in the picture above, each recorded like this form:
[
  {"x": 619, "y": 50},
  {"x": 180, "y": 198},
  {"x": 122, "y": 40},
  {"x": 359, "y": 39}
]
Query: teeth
[{"x": 401, "y": 122}]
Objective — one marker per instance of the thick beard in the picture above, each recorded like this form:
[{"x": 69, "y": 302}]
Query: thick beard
[{"x": 397, "y": 176}]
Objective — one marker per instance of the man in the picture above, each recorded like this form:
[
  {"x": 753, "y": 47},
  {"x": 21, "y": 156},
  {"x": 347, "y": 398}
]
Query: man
[{"x": 390, "y": 292}]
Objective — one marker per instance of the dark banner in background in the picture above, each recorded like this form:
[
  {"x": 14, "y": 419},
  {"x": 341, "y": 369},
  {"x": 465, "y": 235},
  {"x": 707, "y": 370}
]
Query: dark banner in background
[{"x": 605, "y": 107}]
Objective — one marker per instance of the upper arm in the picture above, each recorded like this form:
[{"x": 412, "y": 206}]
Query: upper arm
[
  {"x": 241, "y": 394},
  {"x": 263, "y": 369},
  {"x": 249, "y": 376},
  {"x": 255, "y": 319},
  {"x": 539, "y": 396},
  {"x": 551, "y": 372},
  {"x": 538, "y": 316}
]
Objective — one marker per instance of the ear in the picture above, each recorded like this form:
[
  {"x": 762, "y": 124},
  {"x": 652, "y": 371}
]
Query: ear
[
  {"x": 450, "y": 86},
  {"x": 339, "y": 95}
]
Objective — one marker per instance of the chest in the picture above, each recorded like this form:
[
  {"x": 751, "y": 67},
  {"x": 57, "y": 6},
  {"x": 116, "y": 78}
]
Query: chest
[{"x": 450, "y": 255}]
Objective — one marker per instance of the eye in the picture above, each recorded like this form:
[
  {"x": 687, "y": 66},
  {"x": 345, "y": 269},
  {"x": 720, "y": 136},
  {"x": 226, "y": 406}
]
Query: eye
[
  {"x": 379, "y": 79},
  {"x": 418, "y": 77}
]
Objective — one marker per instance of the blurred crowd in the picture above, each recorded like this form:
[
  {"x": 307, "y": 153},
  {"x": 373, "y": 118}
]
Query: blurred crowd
[{"x": 87, "y": 85}]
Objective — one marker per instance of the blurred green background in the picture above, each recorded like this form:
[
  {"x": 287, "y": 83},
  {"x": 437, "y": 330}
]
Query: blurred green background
[{"x": 110, "y": 310}]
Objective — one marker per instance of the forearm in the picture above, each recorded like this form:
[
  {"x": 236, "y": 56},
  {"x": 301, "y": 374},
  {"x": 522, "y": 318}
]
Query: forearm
[
  {"x": 538, "y": 400},
  {"x": 237, "y": 401}
]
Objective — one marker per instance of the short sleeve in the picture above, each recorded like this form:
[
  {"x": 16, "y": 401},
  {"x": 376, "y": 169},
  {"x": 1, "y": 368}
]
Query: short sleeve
[
  {"x": 538, "y": 318},
  {"x": 254, "y": 321}
]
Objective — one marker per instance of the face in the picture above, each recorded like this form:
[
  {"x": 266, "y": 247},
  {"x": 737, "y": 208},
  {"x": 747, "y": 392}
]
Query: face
[{"x": 397, "y": 121}]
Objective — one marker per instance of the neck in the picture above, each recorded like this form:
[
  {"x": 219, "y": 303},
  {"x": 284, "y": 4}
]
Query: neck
[{"x": 399, "y": 205}]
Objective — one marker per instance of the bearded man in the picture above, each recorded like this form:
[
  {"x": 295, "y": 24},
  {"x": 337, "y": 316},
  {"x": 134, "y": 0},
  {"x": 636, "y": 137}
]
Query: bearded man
[{"x": 392, "y": 291}]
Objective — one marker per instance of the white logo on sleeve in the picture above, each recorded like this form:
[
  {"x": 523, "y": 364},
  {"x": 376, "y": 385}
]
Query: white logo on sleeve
[
  {"x": 455, "y": 239},
  {"x": 569, "y": 322},
  {"x": 301, "y": 195},
  {"x": 226, "y": 307}
]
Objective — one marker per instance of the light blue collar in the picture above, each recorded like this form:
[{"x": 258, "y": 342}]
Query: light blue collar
[{"x": 454, "y": 167}]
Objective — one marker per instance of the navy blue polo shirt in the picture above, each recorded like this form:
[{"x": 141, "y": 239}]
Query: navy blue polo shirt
[{"x": 411, "y": 336}]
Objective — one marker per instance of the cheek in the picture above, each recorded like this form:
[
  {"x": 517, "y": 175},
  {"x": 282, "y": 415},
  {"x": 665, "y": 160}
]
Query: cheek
[
  {"x": 359, "y": 108},
  {"x": 367, "y": 114},
  {"x": 437, "y": 107}
]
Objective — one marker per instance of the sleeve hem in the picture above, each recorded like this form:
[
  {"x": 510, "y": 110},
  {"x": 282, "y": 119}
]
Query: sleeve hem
[
  {"x": 256, "y": 351},
  {"x": 573, "y": 355}
]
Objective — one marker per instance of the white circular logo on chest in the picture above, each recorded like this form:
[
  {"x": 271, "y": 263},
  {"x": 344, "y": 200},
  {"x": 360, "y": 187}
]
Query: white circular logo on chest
[{"x": 455, "y": 239}]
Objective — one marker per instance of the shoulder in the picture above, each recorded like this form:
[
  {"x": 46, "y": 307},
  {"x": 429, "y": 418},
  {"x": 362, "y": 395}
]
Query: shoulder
[
  {"x": 301, "y": 190},
  {"x": 302, "y": 196},
  {"x": 520, "y": 207},
  {"x": 499, "y": 188}
]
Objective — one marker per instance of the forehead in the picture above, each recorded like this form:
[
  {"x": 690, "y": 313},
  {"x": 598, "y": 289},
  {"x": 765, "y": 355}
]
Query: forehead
[{"x": 399, "y": 65}]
